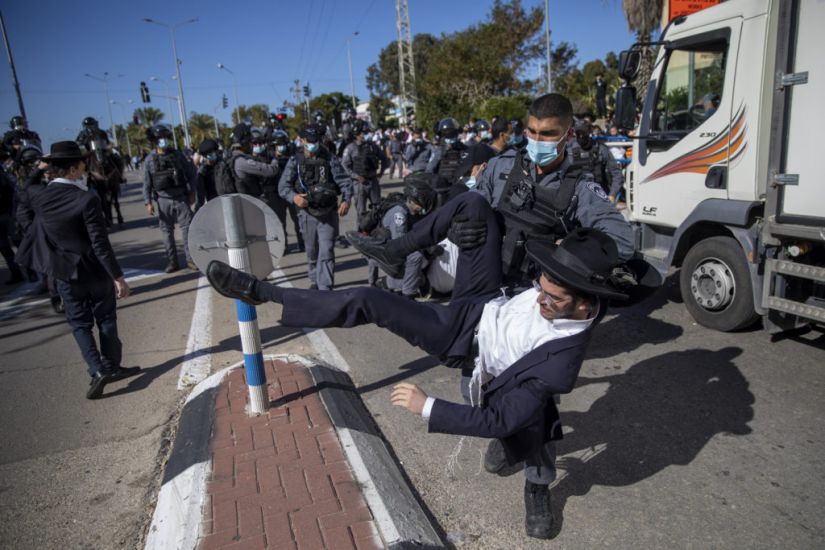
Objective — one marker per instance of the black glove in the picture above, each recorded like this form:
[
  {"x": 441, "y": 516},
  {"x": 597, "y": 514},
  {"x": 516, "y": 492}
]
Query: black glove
[
  {"x": 434, "y": 251},
  {"x": 467, "y": 234}
]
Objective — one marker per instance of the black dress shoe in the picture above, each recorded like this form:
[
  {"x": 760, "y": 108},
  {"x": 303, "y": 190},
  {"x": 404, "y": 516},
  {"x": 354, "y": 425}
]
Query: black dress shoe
[
  {"x": 123, "y": 372},
  {"x": 232, "y": 283},
  {"x": 99, "y": 381},
  {"x": 171, "y": 267},
  {"x": 538, "y": 516},
  {"x": 375, "y": 249},
  {"x": 495, "y": 461}
]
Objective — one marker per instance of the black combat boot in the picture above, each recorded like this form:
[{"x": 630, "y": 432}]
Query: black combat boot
[
  {"x": 233, "y": 283},
  {"x": 538, "y": 516}
]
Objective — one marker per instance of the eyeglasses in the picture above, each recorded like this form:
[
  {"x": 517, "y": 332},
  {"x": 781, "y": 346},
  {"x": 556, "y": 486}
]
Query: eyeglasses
[{"x": 546, "y": 298}]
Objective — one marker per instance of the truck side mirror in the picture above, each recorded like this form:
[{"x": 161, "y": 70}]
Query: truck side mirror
[
  {"x": 629, "y": 63},
  {"x": 625, "y": 116}
]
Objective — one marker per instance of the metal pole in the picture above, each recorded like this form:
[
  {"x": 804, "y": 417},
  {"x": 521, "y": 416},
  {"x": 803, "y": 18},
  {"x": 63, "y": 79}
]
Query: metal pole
[
  {"x": 11, "y": 65},
  {"x": 351, "y": 82},
  {"x": 186, "y": 139},
  {"x": 237, "y": 103},
  {"x": 169, "y": 106},
  {"x": 236, "y": 242},
  {"x": 547, "y": 40},
  {"x": 215, "y": 118},
  {"x": 109, "y": 107}
]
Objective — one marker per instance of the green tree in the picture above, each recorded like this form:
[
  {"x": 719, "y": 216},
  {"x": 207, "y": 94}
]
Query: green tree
[
  {"x": 148, "y": 116},
  {"x": 201, "y": 126},
  {"x": 643, "y": 17},
  {"x": 258, "y": 114},
  {"x": 332, "y": 105},
  {"x": 510, "y": 107}
]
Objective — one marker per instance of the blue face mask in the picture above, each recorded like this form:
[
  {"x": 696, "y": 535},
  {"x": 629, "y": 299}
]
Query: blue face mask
[
  {"x": 470, "y": 182},
  {"x": 212, "y": 157},
  {"x": 449, "y": 141},
  {"x": 485, "y": 135},
  {"x": 312, "y": 147},
  {"x": 258, "y": 149},
  {"x": 163, "y": 143},
  {"x": 281, "y": 149},
  {"x": 515, "y": 140},
  {"x": 542, "y": 152}
]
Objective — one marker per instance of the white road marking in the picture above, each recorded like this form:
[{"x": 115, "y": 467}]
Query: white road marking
[
  {"x": 16, "y": 302},
  {"x": 197, "y": 361}
]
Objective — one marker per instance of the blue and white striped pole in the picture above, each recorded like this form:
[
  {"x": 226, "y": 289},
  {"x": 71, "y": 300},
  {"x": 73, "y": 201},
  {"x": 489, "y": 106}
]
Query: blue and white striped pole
[{"x": 236, "y": 241}]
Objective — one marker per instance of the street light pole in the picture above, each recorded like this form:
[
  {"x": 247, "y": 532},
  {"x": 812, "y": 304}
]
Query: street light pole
[
  {"x": 169, "y": 106},
  {"x": 215, "y": 119},
  {"x": 124, "y": 125},
  {"x": 547, "y": 40},
  {"x": 235, "y": 85},
  {"x": 105, "y": 81},
  {"x": 15, "y": 82},
  {"x": 182, "y": 102},
  {"x": 349, "y": 59}
]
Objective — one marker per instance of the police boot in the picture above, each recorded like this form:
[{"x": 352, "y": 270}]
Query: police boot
[
  {"x": 389, "y": 255},
  {"x": 495, "y": 461},
  {"x": 538, "y": 517},
  {"x": 233, "y": 283}
]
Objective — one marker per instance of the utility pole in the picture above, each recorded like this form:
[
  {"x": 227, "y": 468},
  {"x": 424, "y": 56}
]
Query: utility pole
[
  {"x": 547, "y": 40},
  {"x": 105, "y": 81},
  {"x": 349, "y": 60},
  {"x": 13, "y": 70},
  {"x": 406, "y": 63}
]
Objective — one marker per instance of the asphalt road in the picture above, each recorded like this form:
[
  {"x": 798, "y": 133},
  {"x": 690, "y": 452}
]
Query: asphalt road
[{"x": 675, "y": 436}]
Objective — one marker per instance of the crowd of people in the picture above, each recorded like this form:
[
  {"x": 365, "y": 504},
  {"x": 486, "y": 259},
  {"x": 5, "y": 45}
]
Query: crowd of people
[{"x": 514, "y": 221}]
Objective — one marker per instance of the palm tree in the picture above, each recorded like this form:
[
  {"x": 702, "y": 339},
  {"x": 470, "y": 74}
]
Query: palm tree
[
  {"x": 201, "y": 126},
  {"x": 643, "y": 17},
  {"x": 258, "y": 113},
  {"x": 148, "y": 116}
]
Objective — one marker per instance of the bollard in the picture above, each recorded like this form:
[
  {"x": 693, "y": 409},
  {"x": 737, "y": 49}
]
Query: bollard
[{"x": 236, "y": 241}]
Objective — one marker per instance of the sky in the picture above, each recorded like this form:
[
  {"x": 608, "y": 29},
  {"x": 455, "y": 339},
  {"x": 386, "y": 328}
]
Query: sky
[{"x": 266, "y": 44}]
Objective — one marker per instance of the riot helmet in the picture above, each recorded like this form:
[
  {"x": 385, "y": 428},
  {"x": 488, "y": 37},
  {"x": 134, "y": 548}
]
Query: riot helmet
[
  {"x": 241, "y": 135},
  {"x": 162, "y": 136},
  {"x": 517, "y": 135},
  {"x": 30, "y": 154},
  {"x": 483, "y": 129},
  {"x": 89, "y": 122},
  {"x": 311, "y": 135},
  {"x": 447, "y": 128},
  {"x": 17, "y": 122},
  {"x": 359, "y": 127},
  {"x": 582, "y": 130},
  {"x": 421, "y": 193}
]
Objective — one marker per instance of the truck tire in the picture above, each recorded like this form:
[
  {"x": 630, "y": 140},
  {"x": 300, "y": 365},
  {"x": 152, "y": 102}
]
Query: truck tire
[{"x": 716, "y": 285}]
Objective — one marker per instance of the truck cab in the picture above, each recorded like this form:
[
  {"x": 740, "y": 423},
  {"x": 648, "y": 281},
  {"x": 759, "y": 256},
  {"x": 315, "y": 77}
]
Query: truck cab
[{"x": 722, "y": 183}]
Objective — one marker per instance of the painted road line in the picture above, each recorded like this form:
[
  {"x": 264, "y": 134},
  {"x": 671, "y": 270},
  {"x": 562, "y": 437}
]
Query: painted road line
[{"x": 197, "y": 361}]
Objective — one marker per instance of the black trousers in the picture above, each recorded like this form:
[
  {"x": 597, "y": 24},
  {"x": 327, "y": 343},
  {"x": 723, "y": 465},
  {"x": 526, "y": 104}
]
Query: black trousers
[{"x": 442, "y": 330}]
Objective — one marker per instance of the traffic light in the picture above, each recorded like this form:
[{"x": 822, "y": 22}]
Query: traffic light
[
  {"x": 144, "y": 93},
  {"x": 224, "y": 101},
  {"x": 306, "y": 90},
  {"x": 281, "y": 116},
  {"x": 135, "y": 119}
]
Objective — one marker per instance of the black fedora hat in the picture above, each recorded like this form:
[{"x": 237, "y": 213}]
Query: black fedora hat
[
  {"x": 582, "y": 261},
  {"x": 65, "y": 150}
]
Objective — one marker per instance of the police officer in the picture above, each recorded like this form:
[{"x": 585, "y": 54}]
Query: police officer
[
  {"x": 501, "y": 132},
  {"x": 169, "y": 179},
  {"x": 283, "y": 149},
  {"x": 396, "y": 147},
  {"x": 483, "y": 131},
  {"x": 365, "y": 162},
  {"x": 419, "y": 152},
  {"x": 313, "y": 179},
  {"x": 541, "y": 194},
  {"x": 595, "y": 158},
  {"x": 253, "y": 170},
  {"x": 516, "y": 140},
  {"x": 447, "y": 159},
  {"x": 91, "y": 136},
  {"x": 19, "y": 135},
  {"x": 207, "y": 157},
  {"x": 105, "y": 167},
  {"x": 420, "y": 200}
]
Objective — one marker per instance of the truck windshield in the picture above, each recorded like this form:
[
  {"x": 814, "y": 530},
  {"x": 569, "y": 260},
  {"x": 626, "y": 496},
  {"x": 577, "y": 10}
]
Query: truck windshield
[{"x": 691, "y": 88}]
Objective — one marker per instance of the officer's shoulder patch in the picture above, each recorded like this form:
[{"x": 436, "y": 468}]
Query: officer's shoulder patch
[
  {"x": 399, "y": 218},
  {"x": 597, "y": 189}
]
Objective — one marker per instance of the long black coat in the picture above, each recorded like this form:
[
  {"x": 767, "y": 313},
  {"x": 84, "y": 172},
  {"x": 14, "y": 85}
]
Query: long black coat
[{"x": 68, "y": 239}]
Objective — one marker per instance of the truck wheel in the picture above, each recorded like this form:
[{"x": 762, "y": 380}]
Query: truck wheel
[{"x": 716, "y": 285}]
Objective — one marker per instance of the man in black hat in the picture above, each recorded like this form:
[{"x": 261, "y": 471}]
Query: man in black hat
[
  {"x": 527, "y": 348},
  {"x": 68, "y": 241},
  {"x": 313, "y": 179}
]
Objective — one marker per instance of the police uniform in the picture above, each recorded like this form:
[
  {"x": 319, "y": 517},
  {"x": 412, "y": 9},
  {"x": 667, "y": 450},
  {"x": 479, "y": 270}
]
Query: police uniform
[
  {"x": 447, "y": 161},
  {"x": 599, "y": 162},
  {"x": 418, "y": 155},
  {"x": 169, "y": 178},
  {"x": 397, "y": 220},
  {"x": 366, "y": 160},
  {"x": 396, "y": 147},
  {"x": 322, "y": 179},
  {"x": 587, "y": 205},
  {"x": 288, "y": 207}
]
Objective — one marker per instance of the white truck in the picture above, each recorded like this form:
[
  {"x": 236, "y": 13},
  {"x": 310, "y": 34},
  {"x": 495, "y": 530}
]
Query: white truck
[{"x": 724, "y": 181}]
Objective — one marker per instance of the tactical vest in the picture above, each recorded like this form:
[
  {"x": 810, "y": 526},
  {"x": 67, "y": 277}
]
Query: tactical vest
[
  {"x": 591, "y": 162},
  {"x": 451, "y": 159},
  {"x": 532, "y": 212},
  {"x": 168, "y": 177},
  {"x": 365, "y": 162},
  {"x": 315, "y": 179}
]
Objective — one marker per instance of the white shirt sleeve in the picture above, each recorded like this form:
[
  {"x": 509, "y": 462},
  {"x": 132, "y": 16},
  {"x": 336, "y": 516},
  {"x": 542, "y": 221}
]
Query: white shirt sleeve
[{"x": 428, "y": 407}]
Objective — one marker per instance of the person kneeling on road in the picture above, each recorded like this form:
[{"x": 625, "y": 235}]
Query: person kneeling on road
[{"x": 530, "y": 347}]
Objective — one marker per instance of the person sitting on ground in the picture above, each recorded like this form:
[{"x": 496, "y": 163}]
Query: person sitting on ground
[{"x": 529, "y": 348}]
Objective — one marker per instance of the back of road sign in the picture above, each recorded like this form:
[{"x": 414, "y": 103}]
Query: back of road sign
[{"x": 263, "y": 230}]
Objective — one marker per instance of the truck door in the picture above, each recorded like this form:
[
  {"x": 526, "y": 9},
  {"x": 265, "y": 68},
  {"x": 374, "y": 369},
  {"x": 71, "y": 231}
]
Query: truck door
[{"x": 694, "y": 125}]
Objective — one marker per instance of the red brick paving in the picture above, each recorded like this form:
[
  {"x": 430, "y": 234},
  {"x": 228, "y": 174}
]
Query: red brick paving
[{"x": 281, "y": 480}]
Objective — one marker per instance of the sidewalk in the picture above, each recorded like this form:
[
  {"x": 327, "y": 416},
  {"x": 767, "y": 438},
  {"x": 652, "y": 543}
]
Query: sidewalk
[{"x": 281, "y": 480}]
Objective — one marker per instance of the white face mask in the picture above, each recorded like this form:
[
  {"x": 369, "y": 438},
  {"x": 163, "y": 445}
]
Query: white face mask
[
  {"x": 258, "y": 149},
  {"x": 470, "y": 182}
]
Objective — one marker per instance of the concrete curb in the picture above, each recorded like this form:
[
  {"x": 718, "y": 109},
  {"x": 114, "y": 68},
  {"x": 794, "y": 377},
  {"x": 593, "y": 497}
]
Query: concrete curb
[
  {"x": 178, "y": 512},
  {"x": 400, "y": 518}
]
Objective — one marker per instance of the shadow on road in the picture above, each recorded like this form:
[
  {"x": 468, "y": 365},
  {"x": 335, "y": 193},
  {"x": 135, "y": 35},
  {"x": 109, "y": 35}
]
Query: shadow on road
[{"x": 660, "y": 413}]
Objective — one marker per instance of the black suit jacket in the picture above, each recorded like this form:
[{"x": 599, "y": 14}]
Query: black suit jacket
[
  {"x": 68, "y": 238},
  {"x": 517, "y": 406}
]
